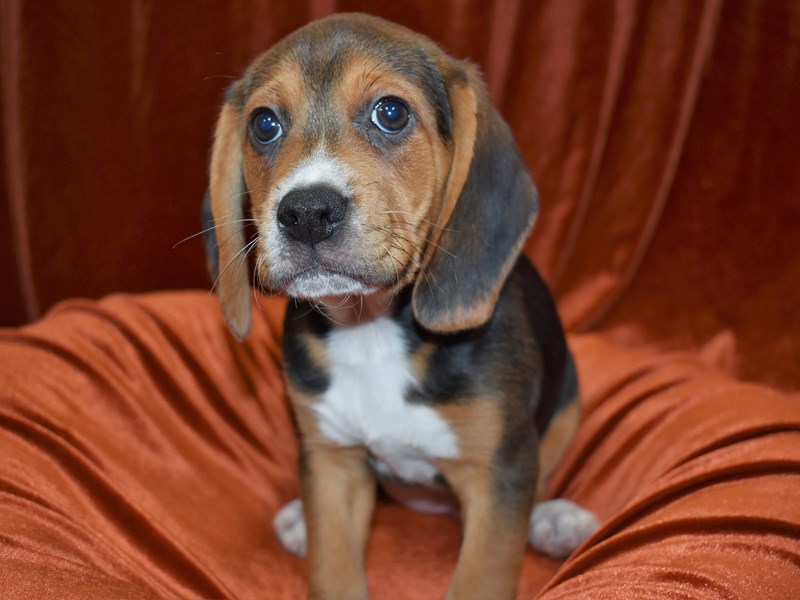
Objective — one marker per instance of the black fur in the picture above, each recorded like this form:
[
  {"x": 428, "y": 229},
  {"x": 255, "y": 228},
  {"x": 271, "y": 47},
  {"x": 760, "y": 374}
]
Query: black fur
[
  {"x": 210, "y": 237},
  {"x": 493, "y": 215},
  {"x": 323, "y": 63},
  {"x": 519, "y": 357},
  {"x": 302, "y": 322}
]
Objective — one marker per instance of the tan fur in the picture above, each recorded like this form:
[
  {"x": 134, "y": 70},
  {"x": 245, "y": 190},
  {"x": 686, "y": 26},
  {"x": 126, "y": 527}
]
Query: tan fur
[
  {"x": 400, "y": 207},
  {"x": 403, "y": 217},
  {"x": 420, "y": 362},
  {"x": 478, "y": 425},
  {"x": 394, "y": 207},
  {"x": 401, "y": 210},
  {"x": 338, "y": 491},
  {"x": 494, "y": 535},
  {"x": 233, "y": 284},
  {"x": 554, "y": 442},
  {"x": 464, "y": 105},
  {"x": 286, "y": 87},
  {"x": 317, "y": 352},
  {"x": 338, "y": 502}
]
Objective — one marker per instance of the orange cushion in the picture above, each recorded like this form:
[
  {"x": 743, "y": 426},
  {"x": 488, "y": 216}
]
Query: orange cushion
[{"x": 145, "y": 452}]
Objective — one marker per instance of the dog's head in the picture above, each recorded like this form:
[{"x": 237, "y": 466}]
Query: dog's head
[{"x": 372, "y": 161}]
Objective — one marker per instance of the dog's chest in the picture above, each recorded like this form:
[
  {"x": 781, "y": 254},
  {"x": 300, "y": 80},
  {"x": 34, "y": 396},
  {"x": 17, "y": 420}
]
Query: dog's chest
[{"x": 365, "y": 403}]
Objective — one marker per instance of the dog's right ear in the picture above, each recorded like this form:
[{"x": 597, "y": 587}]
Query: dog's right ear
[
  {"x": 224, "y": 224},
  {"x": 489, "y": 206}
]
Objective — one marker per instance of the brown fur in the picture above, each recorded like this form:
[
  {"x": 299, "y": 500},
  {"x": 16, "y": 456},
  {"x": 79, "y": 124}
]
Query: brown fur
[
  {"x": 490, "y": 521},
  {"x": 226, "y": 165},
  {"x": 405, "y": 217},
  {"x": 554, "y": 443},
  {"x": 420, "y": 214},
  {"x": 397, "y": 208},
  {"x": 338, "y": 491}
]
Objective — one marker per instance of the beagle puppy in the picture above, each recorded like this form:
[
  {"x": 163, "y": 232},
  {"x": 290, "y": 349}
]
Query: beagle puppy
[{"x": 422, "y": 351}]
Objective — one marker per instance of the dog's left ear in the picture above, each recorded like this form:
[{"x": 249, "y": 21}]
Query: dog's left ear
[
  {"x": 223, "y": 216},
  {"x": 488, "y": 209}
]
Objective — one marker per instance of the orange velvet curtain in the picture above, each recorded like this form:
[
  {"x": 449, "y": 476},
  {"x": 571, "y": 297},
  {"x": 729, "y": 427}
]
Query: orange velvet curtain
[{"x": 661, "y": 135}]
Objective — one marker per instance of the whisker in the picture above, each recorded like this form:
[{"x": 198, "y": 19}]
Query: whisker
[
  {"x": 260, "y": 260},
  {"x": 240, "y": 254},
  {"x": 427, "y": 241},
  {"x": 410, "y": 214},
  {"x": 423, "y": 270},
  {"x": 413, "y": 243},
  {"x": 394, "y": 261},
  {"x": 207, "y": 229},
  {"x": 227, "y": 238},
  {"x": 414, "y": 258},
  {"x": 256, "y": 282},
  {"x": 311, "y": 308},
  {"x": 321, "y": 309}
]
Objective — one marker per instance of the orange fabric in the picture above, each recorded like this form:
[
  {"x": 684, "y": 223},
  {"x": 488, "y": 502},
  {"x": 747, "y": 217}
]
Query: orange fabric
[
  {"x": 143, "y": 452},
  {"x": 659, "y": 136}
]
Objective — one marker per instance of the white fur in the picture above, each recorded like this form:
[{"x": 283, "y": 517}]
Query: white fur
[
  {"x": 290, "y": 525},
  {"x": 322, "y": 284},
  {"x": 320, "y": 168},
  {"x": 365, "y": 403},
  {"x": 559, "y": 526}
]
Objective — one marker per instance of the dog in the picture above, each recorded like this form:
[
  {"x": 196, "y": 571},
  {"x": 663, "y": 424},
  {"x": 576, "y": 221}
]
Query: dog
[{"x": 422, "y": 350}]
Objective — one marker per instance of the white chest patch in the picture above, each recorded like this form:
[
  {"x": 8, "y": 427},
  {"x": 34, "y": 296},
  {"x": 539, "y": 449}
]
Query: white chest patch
[{"x": 365, "y": 403}]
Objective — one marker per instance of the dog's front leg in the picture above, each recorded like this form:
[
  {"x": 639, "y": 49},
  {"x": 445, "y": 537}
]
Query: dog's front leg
[
  {"x": 494, "y": 533},
  {"x": 338, "y": 491}
]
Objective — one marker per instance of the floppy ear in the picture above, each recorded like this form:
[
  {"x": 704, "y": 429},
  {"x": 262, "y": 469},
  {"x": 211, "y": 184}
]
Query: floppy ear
[
  {"x": 488, "y": 209},
  {"x": 223, "y": 214}
]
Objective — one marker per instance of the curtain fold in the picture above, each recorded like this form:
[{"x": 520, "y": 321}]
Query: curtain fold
[{"x": 628, "y": 114}]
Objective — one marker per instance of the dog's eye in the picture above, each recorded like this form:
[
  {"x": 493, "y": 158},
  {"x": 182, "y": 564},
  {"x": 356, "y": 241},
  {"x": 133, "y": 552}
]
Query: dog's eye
[
  {"x": 266, "y": 127},
  {"x": 390, "y": 115}
]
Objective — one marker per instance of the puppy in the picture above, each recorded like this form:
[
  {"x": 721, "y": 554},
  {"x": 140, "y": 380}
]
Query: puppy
[{"x": 421, "y": 350}]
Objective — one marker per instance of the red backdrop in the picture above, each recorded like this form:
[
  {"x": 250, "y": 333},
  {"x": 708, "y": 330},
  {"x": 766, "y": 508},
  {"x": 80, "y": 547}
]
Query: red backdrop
[{"x": 663, "y": 137}]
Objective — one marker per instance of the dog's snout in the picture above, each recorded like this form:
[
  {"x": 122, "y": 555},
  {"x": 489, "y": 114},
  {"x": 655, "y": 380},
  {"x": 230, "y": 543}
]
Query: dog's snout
[{"x": 311, "y": 215}]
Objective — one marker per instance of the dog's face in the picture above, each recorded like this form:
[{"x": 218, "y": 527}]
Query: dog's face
[
  {"x": 372, "y": 161},
  {"x": 345, "y": 161}
]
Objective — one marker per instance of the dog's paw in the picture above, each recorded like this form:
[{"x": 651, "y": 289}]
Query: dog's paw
[
  {"x": 559, "y": 526},
  {"x": 290, "y": 526}
]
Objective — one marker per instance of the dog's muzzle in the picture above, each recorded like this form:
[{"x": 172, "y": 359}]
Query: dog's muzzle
[{"x": 311, "y": 215}]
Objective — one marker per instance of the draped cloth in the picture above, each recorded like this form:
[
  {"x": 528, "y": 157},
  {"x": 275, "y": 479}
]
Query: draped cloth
[{"x": 144, "y": 452}]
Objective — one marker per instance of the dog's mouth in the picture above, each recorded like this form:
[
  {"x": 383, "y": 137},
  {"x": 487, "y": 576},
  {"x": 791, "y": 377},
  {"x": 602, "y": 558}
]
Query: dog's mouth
[
  {"x": 317, "y": 282},
  {"x": 341, "y": 267}
]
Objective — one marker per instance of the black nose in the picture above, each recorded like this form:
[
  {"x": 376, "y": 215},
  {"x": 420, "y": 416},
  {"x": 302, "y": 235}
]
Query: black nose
[{"x": 310, "y": 215}]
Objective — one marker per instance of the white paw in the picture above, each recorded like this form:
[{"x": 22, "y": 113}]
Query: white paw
[
  {"x": 290, "y": 526},
  {"x": 559, "y": 526}
]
